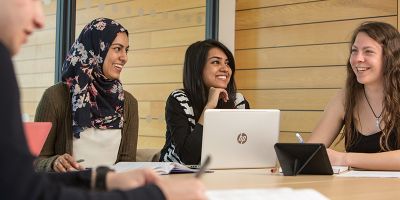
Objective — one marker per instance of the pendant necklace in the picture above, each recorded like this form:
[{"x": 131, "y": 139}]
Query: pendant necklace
[{"x": 376, "y": 117}]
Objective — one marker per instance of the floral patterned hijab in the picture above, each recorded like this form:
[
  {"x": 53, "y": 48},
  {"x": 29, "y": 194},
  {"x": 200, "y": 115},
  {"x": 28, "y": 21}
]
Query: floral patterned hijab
[{"x": 96, "y": 101}]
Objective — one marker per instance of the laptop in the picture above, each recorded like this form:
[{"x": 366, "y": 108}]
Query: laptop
[
  {"x": 240, "y": 138},
  {"x": 36, "y": 134}
]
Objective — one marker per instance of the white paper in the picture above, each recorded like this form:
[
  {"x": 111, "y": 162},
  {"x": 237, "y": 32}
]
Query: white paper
[
  {"x": 159, "y": 167},
  {"x": 339, "y": 169},
  {"x": 262, "y": 194},
  {"x": 377, "y": 174}
]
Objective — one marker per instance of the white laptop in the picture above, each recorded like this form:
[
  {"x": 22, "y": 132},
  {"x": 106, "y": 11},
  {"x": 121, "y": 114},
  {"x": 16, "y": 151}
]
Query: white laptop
[{"x": 240, "y": 138}]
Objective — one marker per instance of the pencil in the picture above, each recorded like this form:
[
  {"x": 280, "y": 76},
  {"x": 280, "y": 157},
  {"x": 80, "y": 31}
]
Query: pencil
[{"x": 203, "y": 167}]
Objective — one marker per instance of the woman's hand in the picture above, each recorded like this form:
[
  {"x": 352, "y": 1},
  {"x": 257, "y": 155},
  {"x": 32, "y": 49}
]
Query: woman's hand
[
  {"x": 130, "y": 179},
  {"x": 337, "y": 158},
  {"x": 66, "y": 163},
  {"x": 215, "y": 94},
  {"x": 177, "y": 189}
]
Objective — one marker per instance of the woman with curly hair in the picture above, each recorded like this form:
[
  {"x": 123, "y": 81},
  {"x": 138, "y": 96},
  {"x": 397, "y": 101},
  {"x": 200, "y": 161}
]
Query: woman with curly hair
[{"x": 369, "y": 105}]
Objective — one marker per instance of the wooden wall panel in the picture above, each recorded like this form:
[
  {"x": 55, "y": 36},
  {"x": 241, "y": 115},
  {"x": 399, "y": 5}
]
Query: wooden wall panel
[
  {"x": 290, "y": 99},
  {"x": 248, "y": 4},
  {"x": 150, "y": 109},
  {"x": 158, "y": 74},
  {"x": 167, "y": 38},
  {"x": 154, "y": 127},
  {"x": 45, "y": 65},
  {"x": 159, "y": 56},
  {"x": 303, "y": 34},
  {"x": 311, "y": 12},
  {"x": 176, "y": 19},
  {"x": 304, "y": 77},
  {"x": 291, "y": 54},
  {"x": 128, "y": 9},
  {"x": 34, "y": 52},
  {"x": 299, "y": 121},
  {"x": 36, "y": 80},
  {"x": 31, "y": 94},
  {"x": 152, "y": 92},
  {"x": 150, "y": 142},
  {"x": 29, "y": 108}
]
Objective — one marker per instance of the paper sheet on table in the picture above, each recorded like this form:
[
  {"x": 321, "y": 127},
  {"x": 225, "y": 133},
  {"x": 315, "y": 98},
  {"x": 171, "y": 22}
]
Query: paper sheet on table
[
  {"x": 262, "y": 194},
  {"x": 339, "y": 169},
  {"x": 159, "y": 167},
  {"x": 368, "y": 174}
]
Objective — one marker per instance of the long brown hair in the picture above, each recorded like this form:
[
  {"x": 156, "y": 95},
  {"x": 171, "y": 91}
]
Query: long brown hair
[{"x": 389, "y": 38}]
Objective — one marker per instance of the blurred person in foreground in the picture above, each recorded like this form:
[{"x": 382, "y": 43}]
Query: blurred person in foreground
[{"x": 18, "y": 179}]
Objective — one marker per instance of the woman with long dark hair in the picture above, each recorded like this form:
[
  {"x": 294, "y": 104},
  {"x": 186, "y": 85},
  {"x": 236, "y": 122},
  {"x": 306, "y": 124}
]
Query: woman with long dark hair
[{"x": 209, "y": 82}]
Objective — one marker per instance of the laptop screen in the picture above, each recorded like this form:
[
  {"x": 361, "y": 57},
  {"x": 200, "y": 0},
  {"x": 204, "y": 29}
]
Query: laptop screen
[{"x": 240, "y": 138}]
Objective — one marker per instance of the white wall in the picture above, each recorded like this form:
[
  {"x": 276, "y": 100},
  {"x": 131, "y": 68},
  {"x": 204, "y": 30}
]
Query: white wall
[{"x": 226, "y": 29}]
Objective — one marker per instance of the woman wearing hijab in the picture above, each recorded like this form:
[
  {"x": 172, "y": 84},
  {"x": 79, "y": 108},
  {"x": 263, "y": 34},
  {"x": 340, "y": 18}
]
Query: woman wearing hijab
[{"x": 93, "y": 117}]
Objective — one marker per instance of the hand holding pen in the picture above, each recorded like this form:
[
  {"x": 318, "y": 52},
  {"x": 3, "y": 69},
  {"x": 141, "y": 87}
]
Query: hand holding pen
[
  {"x": 203, "y": 167},
  {"x": 66, "y": 163},
  {"x": 190, "y": 188}
]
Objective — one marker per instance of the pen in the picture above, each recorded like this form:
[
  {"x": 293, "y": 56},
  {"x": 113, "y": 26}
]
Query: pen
[
  {"x": 203, "y": 167},
  {"x": 80, "y": 160},
  {"x": 299, "y": 138}
]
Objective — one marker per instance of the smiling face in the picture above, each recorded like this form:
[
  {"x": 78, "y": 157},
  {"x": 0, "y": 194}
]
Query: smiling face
[
  {"x": 21, "y": 18},
  {"x": 116, "y": 57},
  {"x": 216, "y": 72},
  {"x": 366, "y": 59}
]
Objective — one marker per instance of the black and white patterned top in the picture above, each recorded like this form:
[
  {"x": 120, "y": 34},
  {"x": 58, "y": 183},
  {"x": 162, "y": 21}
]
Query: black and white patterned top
[{"x": 184, "y": 134}]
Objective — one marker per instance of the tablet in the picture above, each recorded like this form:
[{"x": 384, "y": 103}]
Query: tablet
[{"x": 303, "y": 158}]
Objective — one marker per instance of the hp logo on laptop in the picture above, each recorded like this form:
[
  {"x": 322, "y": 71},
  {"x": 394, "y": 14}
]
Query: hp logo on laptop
[{"x": 242, "y": 138}]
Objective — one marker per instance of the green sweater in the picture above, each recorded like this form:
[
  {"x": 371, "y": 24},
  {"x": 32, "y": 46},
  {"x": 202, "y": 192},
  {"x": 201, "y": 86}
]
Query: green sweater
[{"x": 55, "y": 106}]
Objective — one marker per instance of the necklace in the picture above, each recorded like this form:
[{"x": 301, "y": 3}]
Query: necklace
[{"x": 377, "y": 117}]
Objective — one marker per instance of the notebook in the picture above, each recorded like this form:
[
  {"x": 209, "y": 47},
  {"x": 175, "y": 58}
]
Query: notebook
[
  {"x": 161, "y": 168},
  {"x": 240, "y": 138},
  {"x": 36, "y": 134}
]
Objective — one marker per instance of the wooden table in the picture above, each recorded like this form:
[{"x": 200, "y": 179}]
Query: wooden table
[{"x": 331, "y": 186}]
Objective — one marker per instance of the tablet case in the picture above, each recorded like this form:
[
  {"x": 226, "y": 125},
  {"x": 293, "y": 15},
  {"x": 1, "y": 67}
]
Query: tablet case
[{"x": 303, "y": 158}]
